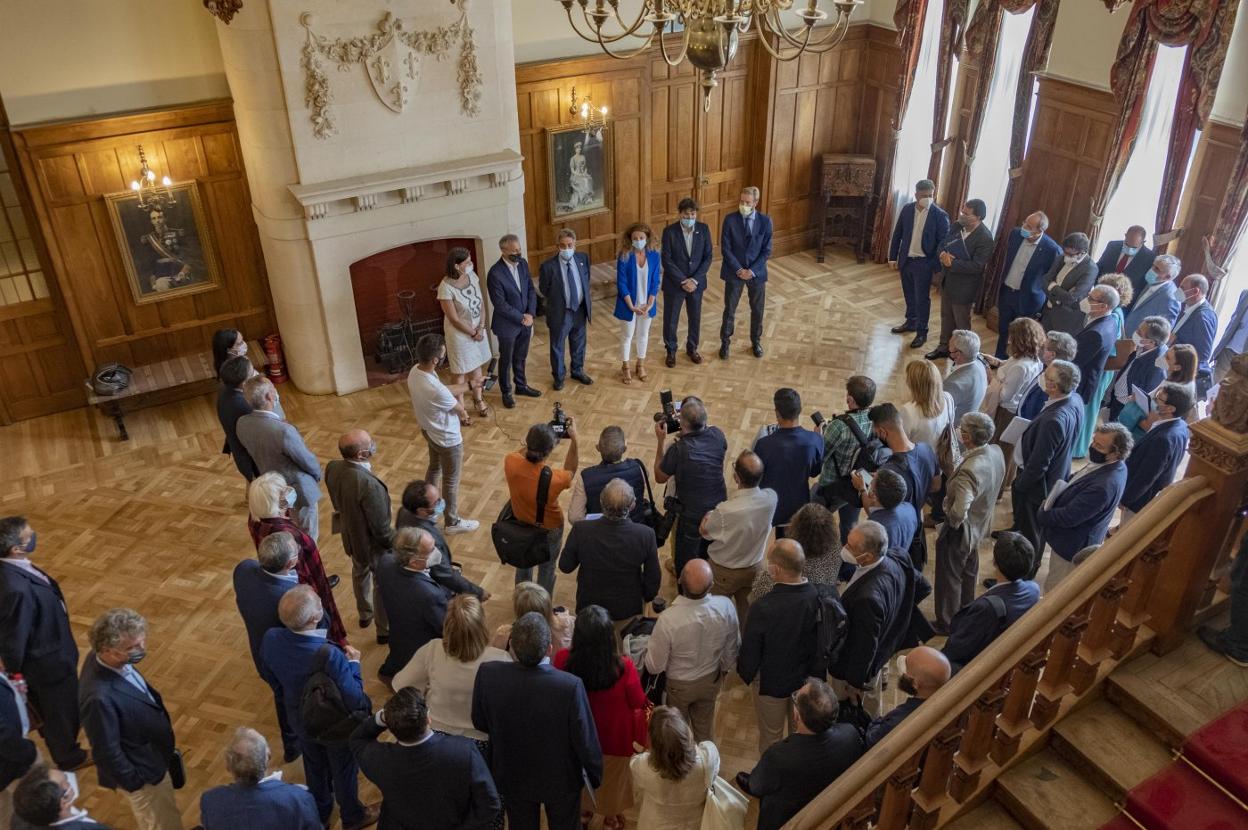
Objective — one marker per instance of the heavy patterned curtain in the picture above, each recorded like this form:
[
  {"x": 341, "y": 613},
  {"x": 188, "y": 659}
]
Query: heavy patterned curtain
[
  {"x": 1204, "y": 27},
  {"x": 952, "y": 33},
  {"x": 1231, "y": 228}
]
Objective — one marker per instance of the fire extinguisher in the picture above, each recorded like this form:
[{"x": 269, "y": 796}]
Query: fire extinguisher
[{"x": 275, "y": 362}]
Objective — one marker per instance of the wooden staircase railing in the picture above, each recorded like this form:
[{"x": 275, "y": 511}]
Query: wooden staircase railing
[{"x": 1006, "y": 700}]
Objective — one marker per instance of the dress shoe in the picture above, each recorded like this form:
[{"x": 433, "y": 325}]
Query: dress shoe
[
  {"x": 918, "y": 341},
  {"x": 509, "y": 402},
  {"x": 528, "y": 392},
  {"x": 87, "y": 761},
  {"x": 695, "y": 356},
  {"x": 558, "y": 384},
  {"x": 742, "y": 782},
  {"x": 937, "y": 354},
  {"x": 1216, "y": 642},
  {"x": 333, "y": 580},
  {"x": 757, "y": 349},
  {"x": 582, "y": 378},
  {"x": 723, "y": 350},
  {"x": 291, "y": 754},
  {"x": 371, "y": 815},
  {"x": 365, "y": 622},
  {"x": 902, "y": 329},
  {"x": 669, "y": 360}
]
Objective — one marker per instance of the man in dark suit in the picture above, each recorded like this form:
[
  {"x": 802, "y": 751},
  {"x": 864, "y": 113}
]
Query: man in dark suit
[
  {"x": 975, "y": 627},
  {"x": 1234, "y": 340},
  {"x": 564, "y": 282},
  {"x": 1154, "y": 461},
  {"x": 513, "y": 302},
  {"x": 428, "y": 780},
  {"x": 925, "y": 671},
  {"x": 1146, "y": 367},
  {"x": 543, "y": 744},
  {"x": 886, "y": 502},
  {"x": 745, "y": 246},
  {"x": 963, "y": 255},
  {"x": 256, "y": 800},
  {"x": 259, "y": 585},
  {"x": 921, "y": 226},
  {"x": 36, "y": 641},
  {"x": 17, "y": 753},
  {"x": 44, "y": 798},
  {"x": 1080, "y": 514},
  {"x": 1129, "y": 256},
  {"x": 1066, "y": 284},
  {"x": 795, "y": 770},
  {"x": 617, "y": 557},
  {"x": 1095, "y": 342},
  {"x": 417, "y": 603},
  {"x": 126, "y": 722},
  {"x": 1161, "y": 296},
  {"x": 1058, "y": 345},
  {"x": 291, "y": 654},
  {"x": 362, "y": 514},
  {"x": 687, "y": 249},
  {"x": 276, "y": 446},
  {"x": 1044, "y": 451},
  {"x": 422, "y": 506},
  {"x": 1197, "y": 325},
  {"x": 1029, "y": 254},
  {"x": 231, "y": 405}
]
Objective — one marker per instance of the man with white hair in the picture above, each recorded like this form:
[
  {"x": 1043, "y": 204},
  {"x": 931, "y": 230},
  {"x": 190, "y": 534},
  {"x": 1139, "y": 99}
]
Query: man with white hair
[
  {"x": 276, "y": 446},
  {"x": 256, "y": 800},
  {"x": 745, "y": 245},
  {"x": 967, "y": 377},
  {"x": 417, "y": 601},
  {"x": 1197, "y": 325},
  {"x": 1161, "y": 296}
]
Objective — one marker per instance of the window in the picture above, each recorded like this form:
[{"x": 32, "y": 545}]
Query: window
[
  {"x": 914, "y": 146},
  {"x": 990, "y": 170},
  {"x": 21, "y": 276},
  {"x": 1139, "y": 189},
  {"x": 1236, "y": 281}
]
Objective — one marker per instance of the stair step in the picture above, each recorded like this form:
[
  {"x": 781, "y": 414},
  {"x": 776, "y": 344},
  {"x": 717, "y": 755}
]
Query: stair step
[
  {"x": 1045, "y": 792},
  {"x": 988, "y": 816},
  {"x": 1107, "y": 744}
]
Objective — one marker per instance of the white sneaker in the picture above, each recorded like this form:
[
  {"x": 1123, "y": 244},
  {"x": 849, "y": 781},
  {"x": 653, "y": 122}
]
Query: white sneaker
[{"x": 464, "y": 526}]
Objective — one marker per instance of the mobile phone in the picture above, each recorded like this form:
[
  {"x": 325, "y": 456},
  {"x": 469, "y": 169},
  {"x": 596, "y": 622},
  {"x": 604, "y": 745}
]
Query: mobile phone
[
  {"x": 817, "y": 417},
  {"x": 866, "y": 478}
]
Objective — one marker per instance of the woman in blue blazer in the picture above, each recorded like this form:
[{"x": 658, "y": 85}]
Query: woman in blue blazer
[{"x": 637, "y": 275}]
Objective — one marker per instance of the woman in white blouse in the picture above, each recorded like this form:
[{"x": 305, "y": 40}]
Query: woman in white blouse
[
  {"x": 930, "y": 408},
  {"x": 1012, "y": 378},
  {"x": 671, "y": 779},
  {"x": 636, "y": 295},
  {"x": 445, "y": 670}
]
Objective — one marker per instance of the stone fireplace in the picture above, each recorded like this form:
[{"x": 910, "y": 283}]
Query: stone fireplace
[{"x": 368, "y": 126}]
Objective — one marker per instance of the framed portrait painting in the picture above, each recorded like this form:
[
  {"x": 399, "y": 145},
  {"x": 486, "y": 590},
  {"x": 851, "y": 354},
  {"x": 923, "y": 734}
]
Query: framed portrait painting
[
  {"x": 579, "y": 161},
  {"x": 165, "y": 245}
]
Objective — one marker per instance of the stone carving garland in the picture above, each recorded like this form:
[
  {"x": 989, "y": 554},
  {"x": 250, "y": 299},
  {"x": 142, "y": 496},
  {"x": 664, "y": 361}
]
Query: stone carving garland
[{"x": 391, "y": 57}]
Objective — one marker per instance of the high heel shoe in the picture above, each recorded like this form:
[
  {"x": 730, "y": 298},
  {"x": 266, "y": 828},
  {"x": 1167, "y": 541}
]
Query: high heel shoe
[
  {"x": 640, "y": 370},
  {"x": 626, "y": 373}
]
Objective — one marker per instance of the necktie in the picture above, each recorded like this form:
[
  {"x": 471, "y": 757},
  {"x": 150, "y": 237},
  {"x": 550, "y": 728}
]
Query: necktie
[
  {"x": 570, "y": 287},
  {"x": 1122, "y": 263},
  {"x": 138, "y": 682}
]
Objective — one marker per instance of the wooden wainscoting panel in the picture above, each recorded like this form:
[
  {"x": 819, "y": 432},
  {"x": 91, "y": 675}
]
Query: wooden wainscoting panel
[{"x": 1206, "y": 185}]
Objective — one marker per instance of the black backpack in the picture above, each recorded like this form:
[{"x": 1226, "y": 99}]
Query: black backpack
[
  {"x": 831, "y": 624},
  {"x": 325, "y": 716},
  {"x": 871, "y": 450}
]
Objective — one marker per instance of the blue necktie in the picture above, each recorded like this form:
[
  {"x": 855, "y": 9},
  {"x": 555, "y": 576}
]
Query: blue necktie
[
  {"x": 570, "y": 287},
  {"x": 137, "y": 681}
]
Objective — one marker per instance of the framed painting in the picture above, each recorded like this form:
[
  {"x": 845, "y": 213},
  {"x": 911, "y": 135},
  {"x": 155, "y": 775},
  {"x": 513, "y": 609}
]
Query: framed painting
[
  {"x": 165, "y": 245},
  {"x": 579, "y": 165}
]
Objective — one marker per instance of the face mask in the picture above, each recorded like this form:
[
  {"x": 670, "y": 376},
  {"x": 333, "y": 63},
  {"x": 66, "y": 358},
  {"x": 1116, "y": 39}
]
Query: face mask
[
  {"x": 567, "y": 253},
  {"x": 1190, "y": 296},
  {"x": 746, "y": 210},
  {"x": 1026, "y": 234},
  {"x": 30, "y": 546},
  {"x": 1085, "y": 305},
  {"x": 1072, "y": 260},
  {"x": 467, "y": 269},
  {"x": 848, "y": 558},
  {"x": 925, "y": 202},
  {"x": 439, "y": 507},
  {"x": 513, "y": 258},
  {"x": 964, "y": 222},
  {"x": 1127, "y": 250},
  {"x": 1151, "y": 278},
  {"x": 1096, "y": 456},
  {"x": 1140, "y": 341},
  {"x": 290, "y": 498},
  {"x": 238, "y": 351},
  {"x": 906, "y": 684},
  {"x": 639, "y": 244},
  {"x": 688, "y": 223},
  {"x": 136, "y": 655},
  {"x": 434, "y": 559}
]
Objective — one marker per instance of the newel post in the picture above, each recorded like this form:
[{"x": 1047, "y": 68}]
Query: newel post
[{"x": 1219, "y": 452}]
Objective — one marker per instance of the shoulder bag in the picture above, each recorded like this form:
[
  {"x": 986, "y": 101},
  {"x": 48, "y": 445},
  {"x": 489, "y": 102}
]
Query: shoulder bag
[
  {"x": 520, "y": 544},
  {"x": 725, "y": 805}
]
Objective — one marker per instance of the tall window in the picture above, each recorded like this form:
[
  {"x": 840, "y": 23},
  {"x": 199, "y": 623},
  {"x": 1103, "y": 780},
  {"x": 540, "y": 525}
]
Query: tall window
[
  {"x": 1236, "y": 281},
  {"x": 1139, "y": 189},
  {"x": 914, "y": 147},
  {"x": 990, "y": 170}
]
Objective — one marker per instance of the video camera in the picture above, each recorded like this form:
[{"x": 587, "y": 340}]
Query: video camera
[
  {"x": 559, "y": 423},
  {"x": 669, "y": 413}
]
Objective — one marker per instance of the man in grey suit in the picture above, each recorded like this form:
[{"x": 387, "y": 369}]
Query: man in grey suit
[
  {"x": 277, "y": 447},
  {"x": 970, "y": 496},
  {"x": 967, "y": 378},
  {"x": 1161, "y": 296},
  {"x": 963, "y": 255},
  {"x": 1067, "y": 283},
  {"x": 362, "y": 514}
]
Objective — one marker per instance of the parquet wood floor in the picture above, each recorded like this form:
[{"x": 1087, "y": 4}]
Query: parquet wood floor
[{"x": 158, "y": 523}]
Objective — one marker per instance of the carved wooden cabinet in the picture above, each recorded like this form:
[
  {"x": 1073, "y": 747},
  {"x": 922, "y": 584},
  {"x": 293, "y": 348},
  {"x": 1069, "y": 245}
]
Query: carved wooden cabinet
[{"x": 846, "y": 202}]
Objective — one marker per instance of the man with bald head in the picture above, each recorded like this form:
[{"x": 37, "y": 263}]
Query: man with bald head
[
  {"x": 362, "y": 516},
  {"x": 1029, "y": 254},
  {"x": 695, "y": 642},
  {"x": 738, "y": 529},
  {"x": 924, "y": 671},
  {"x": 778, "y": 643}
]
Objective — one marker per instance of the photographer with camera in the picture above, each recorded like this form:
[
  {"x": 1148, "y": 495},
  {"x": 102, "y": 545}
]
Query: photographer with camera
[
  {"x": 696, "y": 460},
  {"x": 523, "y": 471}
]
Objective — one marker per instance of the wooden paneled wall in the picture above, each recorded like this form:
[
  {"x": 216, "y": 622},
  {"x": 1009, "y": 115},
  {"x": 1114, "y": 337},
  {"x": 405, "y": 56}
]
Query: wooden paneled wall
[
  {"x": 1206, "y": 183},
  {"x": 71, "y": 166}
]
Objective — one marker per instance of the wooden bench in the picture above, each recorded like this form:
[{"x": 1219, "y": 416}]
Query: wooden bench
[{"x": 175, "y": 379}]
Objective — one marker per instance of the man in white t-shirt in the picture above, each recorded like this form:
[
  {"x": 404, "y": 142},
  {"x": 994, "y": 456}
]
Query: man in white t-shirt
[{"x": 438, "y": 411}]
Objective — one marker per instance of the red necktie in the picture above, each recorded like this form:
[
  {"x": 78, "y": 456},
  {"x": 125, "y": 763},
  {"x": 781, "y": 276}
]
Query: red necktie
[{"x": 1122, "y": 263}]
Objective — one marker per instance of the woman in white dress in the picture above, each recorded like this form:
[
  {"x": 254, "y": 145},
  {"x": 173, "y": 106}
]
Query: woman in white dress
[
  {"x": 636, "y": 295},
  {"x": 671, "y": 779},
  {"x": 578, "y": 177},
  {"x": 463, "y": 326},
  {"x": 930, "y": 407}
]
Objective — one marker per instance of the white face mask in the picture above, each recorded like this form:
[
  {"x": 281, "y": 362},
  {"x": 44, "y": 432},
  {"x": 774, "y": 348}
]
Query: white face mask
[
  {"x": 291, "y": 497},
  {"x": 925, "y": 202},
  {"x": 639, "y": 244},
  {"x": 434, "y": 559},
  {"x": 1072, "y": 260},
  {"x": 1140, "y": 341},
  {"x": 847, "y": 557},
  {"x": 467, "y": 268},
  {"x": 239, "y": 350},
  {"x": 1085, "y": 305},
  {"x": 567, "y": 253},
  {"x": 746, "y": 210}
]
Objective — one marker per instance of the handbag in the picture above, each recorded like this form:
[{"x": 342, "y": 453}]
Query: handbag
[
  {"x": 177, "y": 770},
  {"x": 948, "y": 450},
  {"x": 520, "y": 544},
  {"x": 725, "y": 805}
]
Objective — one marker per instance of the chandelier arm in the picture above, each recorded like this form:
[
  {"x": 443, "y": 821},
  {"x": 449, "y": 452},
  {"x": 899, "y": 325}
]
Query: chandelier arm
[
  {"x": 625, "y": 55},
  {"x": 835, "y": 34},
  {"x": 763, "y": 38},
  {"x": 684, "y": 49},
  {"x": 641, "y": 15},
  {"x": 595, "y": 36}
]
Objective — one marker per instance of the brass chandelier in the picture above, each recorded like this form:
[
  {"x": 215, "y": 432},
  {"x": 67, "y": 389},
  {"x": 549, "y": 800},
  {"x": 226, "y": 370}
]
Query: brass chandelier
[{"x": 709, "y": 29}]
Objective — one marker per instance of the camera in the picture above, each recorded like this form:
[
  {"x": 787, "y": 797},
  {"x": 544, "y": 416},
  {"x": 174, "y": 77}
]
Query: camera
[
  {"x": 559, "y": 422},
  {"x": 667, "y": 521},
  {"x": 818, "y": 418},
  {"x": 670, "y": 409}
]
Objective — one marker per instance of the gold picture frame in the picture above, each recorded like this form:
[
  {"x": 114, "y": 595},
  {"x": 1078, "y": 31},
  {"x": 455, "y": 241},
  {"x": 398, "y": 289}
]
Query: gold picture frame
[
  {"x": 578, "y": 171},
  {"x": 166, "y": 247}
]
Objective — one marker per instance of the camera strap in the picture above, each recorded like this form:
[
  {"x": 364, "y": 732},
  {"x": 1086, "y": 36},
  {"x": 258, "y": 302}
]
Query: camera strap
[
  {"x": 645, "y": 475},
  {"x": 543, "y": 494}
]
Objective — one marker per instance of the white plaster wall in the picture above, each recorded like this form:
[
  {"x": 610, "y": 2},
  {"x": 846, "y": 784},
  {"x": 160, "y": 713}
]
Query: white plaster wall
[
  {"x": 1231, "y": 102},
  {"x": 1085, "y": 41}
]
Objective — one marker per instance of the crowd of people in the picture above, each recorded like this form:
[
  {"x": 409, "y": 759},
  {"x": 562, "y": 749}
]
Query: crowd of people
[{"x": 609, "y": 706}]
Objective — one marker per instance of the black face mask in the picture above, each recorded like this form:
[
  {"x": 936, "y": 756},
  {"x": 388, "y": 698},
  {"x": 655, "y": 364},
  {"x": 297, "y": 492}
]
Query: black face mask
[
  {"x": 906, "y": 684},
  {"x": 513, "y": 258},
  {"x": 1096, "y": 456}
]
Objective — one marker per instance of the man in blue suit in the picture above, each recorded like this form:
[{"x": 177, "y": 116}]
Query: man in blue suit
[
  {"x": 1129, "y": 256},
  {"x": 1044, "y": 451},
  {"x": 513, "y": 302},
  {"x": 1029, "y": 255},
  {"x": 745, "y": 246},
  {"x": 290, "y": 655},
  {"x": 1161, "y": 296},
  {"x": 1234, "y": 340},
  {"x": 1155, "y": 460},
  {"x": 564, "y": 282},
  {"x": 36, "y": 641},
  {"x": 1058, "y": 345},
  {"x": 1146, "y": 367},
  {"x": 126, "y": 722},
  {"x": 258, "y": 588},
  {"x": 1080, "y": 515},
  {"x": 1197, "y": 325},
  {"x": 543, "y": 744},
  {"x": 986, "y": 618},
  {"x": 1095, "y": 341},
  {"x": 921, "y": 227},
  {"x": 417, "y": 602},
  {"x": 256, "y": 800},
  {"x": 687, "y": 249}
]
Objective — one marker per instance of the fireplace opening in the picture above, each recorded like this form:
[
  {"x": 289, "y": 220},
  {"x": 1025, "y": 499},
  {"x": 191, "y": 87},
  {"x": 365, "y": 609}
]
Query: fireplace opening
[{"x": 396, "y": 302}]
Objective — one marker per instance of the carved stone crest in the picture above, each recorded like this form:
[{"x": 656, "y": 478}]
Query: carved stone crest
[
  {"x": 223, "y": 9},
  {"x": 1230, "y": 409}
]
